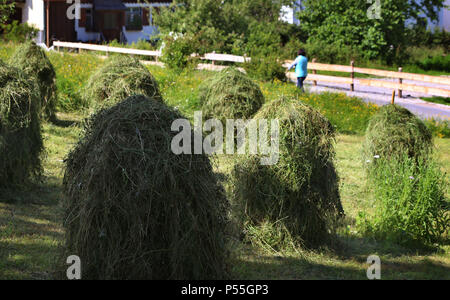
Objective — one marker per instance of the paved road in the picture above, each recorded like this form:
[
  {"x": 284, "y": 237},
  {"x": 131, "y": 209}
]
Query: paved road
[{"x": 381, "y": 96}]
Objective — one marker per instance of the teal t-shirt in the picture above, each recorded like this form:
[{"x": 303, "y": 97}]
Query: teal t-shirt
[{"x": 301, "y": 68}]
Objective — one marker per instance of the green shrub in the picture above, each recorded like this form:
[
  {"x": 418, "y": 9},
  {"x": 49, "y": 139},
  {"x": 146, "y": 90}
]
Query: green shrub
[
  {"x": 409, "y": 205},
  {"x": 18, "y": 32},
  {"x": 394, "y": 132},
  {"x": 265, "y": 68},
  {"x": 230, "y": 94},
  {"x": 436, "y": 63},
  {"x": 290, "y": 50},
  {"x": 34, "y": 62},
  {"x": 331, "y": 53},
  {"x": 299, "y": 192},
  {"x": 177, "y": 50},
  {"x": 263, "y": 40},
  {"x": 134, "y": 209}
]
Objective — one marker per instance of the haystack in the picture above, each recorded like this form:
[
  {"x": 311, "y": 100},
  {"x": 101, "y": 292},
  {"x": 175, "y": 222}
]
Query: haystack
[
  {"x": 134, "y": 209},
  {"x": 301, "y": 190},
  {"x": 32, "y": 59},
  {"x": 230, "y": 94},
  {"x": 117, "y": 79},
  {"x": 21, "y": 143},
  {"x": 395, "y": 132}
]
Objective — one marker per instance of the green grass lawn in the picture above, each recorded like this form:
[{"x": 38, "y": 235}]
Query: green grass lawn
[
  {"x": 31, "y": 234},
  {"x": 439, "y": 100}
]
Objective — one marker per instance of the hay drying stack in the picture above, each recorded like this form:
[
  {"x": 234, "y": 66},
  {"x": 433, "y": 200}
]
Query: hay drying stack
[
  {"x": 230, "y": 94},
  {"x": 301, "y": 190},
  {"x": 134, "y": 209},
  {"x": 20, "y": 133},
  {"x": 118, "y": 78},
  {"x": 394, "y": 132},
  {"x": 32, "y": 59}
]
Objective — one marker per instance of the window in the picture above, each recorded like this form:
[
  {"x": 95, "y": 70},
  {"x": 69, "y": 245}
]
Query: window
[
  {"x": 110, "y": 21},
  {"x": 89, "y": 20},
  {"x": 133, "y": 18}
]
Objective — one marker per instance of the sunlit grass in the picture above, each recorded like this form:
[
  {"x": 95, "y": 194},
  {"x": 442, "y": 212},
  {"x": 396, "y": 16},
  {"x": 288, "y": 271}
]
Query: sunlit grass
[{"x": 30, "y": 234}]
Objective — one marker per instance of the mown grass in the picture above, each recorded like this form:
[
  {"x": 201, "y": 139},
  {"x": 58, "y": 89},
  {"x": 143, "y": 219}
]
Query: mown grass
[
  {"x": 439, "y": 100},
  {"x": 31, "y": 234}
]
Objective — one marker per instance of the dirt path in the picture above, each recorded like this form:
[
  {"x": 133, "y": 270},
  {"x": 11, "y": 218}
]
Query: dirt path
[{"x": 382, "y": 96}]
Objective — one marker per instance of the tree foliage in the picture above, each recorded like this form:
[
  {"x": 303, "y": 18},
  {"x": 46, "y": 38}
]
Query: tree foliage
[
  {"x": 349, "y": 23},
  {"x": 226, "y": 25},
  {"x": 6, "y": 9}
]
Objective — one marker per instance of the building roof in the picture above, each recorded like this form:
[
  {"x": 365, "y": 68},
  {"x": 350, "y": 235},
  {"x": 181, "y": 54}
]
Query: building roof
[{"x": 109, "y": 5}]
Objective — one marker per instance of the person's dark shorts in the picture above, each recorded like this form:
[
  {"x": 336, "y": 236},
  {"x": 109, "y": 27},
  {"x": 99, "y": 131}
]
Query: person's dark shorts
[{"x": 300, "y": 81}]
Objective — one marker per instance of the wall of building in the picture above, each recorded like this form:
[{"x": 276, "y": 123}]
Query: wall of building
[
  {"x": 33, "y": 13},
  {"x": 288, "y": 14},
  {"x": 444, "y": 17},
  {"x": 132, "y": 36}
]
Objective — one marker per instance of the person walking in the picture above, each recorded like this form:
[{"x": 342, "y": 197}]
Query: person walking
[{"x": 301, "y": 68}]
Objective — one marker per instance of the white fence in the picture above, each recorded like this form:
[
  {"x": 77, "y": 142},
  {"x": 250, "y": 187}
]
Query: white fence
[{"x": 443, "y": 91}]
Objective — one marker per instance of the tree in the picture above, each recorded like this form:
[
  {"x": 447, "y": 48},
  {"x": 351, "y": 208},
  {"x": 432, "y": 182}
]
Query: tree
[
  {"x": 6, "y": 9},
  {"x": 221, "y": 25},
  {"x": 344, "y": 23}
]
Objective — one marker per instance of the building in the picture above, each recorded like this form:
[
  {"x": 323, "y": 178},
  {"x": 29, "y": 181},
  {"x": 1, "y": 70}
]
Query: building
[
  {"x": 94, "y": 21},
  {"x": 444, "y": 17},
  {"x": 289, "y": 14}
]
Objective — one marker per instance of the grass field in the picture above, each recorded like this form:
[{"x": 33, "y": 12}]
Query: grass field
[
  {"x": 30, "y": 234},
  {"x": 439, "y": 100}
]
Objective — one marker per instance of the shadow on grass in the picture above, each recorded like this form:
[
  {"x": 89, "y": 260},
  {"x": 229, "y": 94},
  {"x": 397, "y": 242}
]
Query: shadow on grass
[
  {"x": 26, "y": 260},
  {"x": 325, "y": 266},
  {"x": 30, "y": 232},
  {"x": 43, "y": 193},
  {"x": 64, "y": 123}
]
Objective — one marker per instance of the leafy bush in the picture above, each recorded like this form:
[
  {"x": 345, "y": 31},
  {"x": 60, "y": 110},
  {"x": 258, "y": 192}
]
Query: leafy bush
[
  {"x": 331, "y": 53},
  {"x": 265, "y": 68},
  {"x": 437, "y": 63},
  {"x": 18, "y": 32},
  {"x": 409, "y": 203},
  {"x": 177, "y": 50},
  {"x": 263, "y": 40}
]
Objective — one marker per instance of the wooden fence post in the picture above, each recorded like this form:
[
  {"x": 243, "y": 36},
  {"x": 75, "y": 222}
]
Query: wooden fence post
[
  {"x": 314, "y": 71},
  {"x": 352, "y": 75},
  {"x": 213, "y": 62},
  {"x": 393, "y": 97},
  {"x": 400, "y": 81}
]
